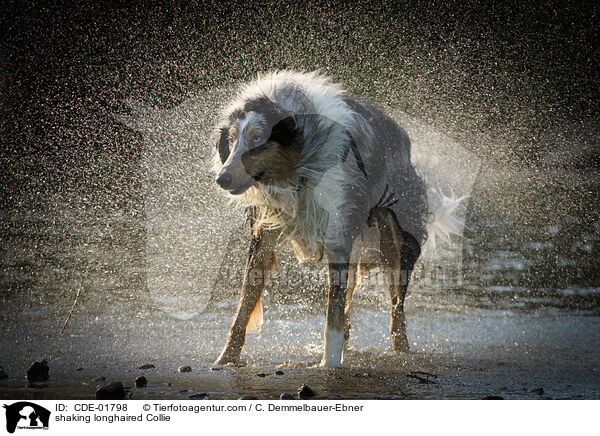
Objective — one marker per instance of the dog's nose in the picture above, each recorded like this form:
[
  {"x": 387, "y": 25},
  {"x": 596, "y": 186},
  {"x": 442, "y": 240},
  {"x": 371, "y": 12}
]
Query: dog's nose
[{"x": 224, "y": 180}]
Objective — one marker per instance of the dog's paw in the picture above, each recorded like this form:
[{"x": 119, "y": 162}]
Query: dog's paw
[
  {"x": 229, "y": 360},
  {"x": 330, "y": 362}
]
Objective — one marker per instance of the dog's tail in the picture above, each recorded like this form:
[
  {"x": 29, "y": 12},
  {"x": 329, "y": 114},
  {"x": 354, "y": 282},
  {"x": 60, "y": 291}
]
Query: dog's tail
[{"x": 445, "y": 220}]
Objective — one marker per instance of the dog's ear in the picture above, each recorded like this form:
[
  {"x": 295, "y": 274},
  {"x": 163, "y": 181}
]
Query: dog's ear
[
  {"x": 223, "y": 144},
  {"x": 287, "y": 134}
]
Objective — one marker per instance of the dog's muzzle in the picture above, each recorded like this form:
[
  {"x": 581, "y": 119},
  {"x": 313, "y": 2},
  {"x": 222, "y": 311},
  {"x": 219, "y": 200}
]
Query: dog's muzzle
[{"x": 224, "y": 180}]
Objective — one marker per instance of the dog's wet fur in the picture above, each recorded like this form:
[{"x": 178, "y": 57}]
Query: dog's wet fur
[{"x": 318, "y": 168}]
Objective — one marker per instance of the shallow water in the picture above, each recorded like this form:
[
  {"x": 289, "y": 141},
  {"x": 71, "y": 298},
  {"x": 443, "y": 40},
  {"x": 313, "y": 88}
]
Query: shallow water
[{"x": 493, "y": 342}]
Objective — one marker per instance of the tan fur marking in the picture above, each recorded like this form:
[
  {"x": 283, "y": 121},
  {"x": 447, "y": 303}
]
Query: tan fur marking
[
  {"x": 276, "y": 162},
  {"x": 232, "y": 134},
  {"x": 258, "y": 270}
]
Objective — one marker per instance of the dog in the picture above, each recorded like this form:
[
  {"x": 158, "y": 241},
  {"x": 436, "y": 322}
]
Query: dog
[{"x": 323, "y": 170}]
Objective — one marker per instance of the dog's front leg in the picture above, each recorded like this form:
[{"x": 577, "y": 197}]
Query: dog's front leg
[
  {"x": 339, "y": 259},
  {"x": 260, "y": 265}
]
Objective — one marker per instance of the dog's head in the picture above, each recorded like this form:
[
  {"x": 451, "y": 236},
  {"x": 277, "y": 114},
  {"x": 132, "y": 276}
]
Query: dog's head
[{"x": 259, "y": 143}]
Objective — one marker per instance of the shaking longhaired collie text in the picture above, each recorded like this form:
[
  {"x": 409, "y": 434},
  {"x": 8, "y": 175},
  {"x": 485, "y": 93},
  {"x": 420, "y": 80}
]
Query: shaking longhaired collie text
[{"x": 326, "y": 172}]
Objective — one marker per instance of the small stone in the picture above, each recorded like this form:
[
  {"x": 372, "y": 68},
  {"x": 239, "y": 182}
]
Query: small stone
[
  {"x": 79, "y": 369},
  {"x": 216, "y": 368},
  {"x": 262, "y": 374},
  {"x": 247, "y": 397},
  {"x": 539, "y": 391},
  {"x": 286, "y": 396},
  {"x": 141, "y": 382},
  {"x": 305, "y": 392},
  {"x": 200, "y": 396},
  {"x": 3, "y": 375},
  {"x": 147, "y": 366},
  {"x": 185, "y": 368},
  {"x": 168, "y": 383},
  {"x": 99, "y": 379},
  {"x": 111, "y": 391},
  {"x": 279, "y": 373},
  {"x": 38, "y": 371},
  {"x": 493, "y": 397}
]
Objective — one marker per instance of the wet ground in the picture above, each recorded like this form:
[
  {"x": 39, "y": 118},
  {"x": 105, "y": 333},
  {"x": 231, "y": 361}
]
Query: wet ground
[{"x": 520, "y": 349}]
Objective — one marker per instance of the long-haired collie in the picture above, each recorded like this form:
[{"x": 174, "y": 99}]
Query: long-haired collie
[{"x": 319, "y": 169}]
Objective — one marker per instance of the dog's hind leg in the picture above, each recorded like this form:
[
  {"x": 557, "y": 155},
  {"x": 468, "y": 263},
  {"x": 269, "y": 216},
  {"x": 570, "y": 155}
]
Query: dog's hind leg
[
  {"x": 399, "y": 252},
  {"x": 355, "y": 273},
  {"x": 260, "y": 265}
]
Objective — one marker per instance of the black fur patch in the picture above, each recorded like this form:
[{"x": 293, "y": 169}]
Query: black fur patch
[
  {"x": 236, "y": 114},
  {"x": 410, "y": 249},
  {"x": 265, "y": 106},
  {"x": 286, "y": 134},
  {"x": 223, "y": 144}
]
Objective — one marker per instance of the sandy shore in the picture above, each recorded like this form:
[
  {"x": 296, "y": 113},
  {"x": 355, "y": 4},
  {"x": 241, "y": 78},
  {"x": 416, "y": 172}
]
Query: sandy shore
[{"x": 473, "y": 353}]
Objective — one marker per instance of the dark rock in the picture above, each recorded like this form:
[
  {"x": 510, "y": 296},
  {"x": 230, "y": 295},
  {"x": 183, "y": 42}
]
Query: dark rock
[
  {"x": 200, "y": 396},
  {"x": 422, "y": 376},
  {"x": 38, "y": 371},
  {"x": 247, "y": 397},
  {"x": 111, "y": 391},
  {"x": 286, "y": 396},
  {"x": 493, "y": 397},
  {"x": 539, "y": 391},
  {"x": 262, "y": 374},
  {"x": 168, "y": 384},
  {"x": 185, "y": 368},
  {"x": 147, "y": 366},
  {"x": 141, "y": 381},
  {"x": 79, "y": 369},
  {"x": 99, "y": 379},
  {"x": 216, "y": 368},
  {"x": 305, "y": 392},
  {"x": 3, "y": 375},
  {"x": 279, "y": 373}
]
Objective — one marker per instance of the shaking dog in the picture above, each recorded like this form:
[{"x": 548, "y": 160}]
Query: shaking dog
[{"x": 320, "y": 169}]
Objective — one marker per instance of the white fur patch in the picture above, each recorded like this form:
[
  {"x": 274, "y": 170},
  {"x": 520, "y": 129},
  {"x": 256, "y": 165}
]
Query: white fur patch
[{"x": 334, "y": 349}]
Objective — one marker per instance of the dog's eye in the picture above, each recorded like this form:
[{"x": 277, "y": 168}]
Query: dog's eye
[{"x": 256, "y": 140}]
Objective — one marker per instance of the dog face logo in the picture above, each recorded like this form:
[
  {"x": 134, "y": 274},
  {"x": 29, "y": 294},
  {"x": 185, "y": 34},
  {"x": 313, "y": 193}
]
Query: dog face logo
[{"x": 26, "y": 415}]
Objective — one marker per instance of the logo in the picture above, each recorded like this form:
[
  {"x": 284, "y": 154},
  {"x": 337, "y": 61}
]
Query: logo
[{"x": 26, "y": 415}]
